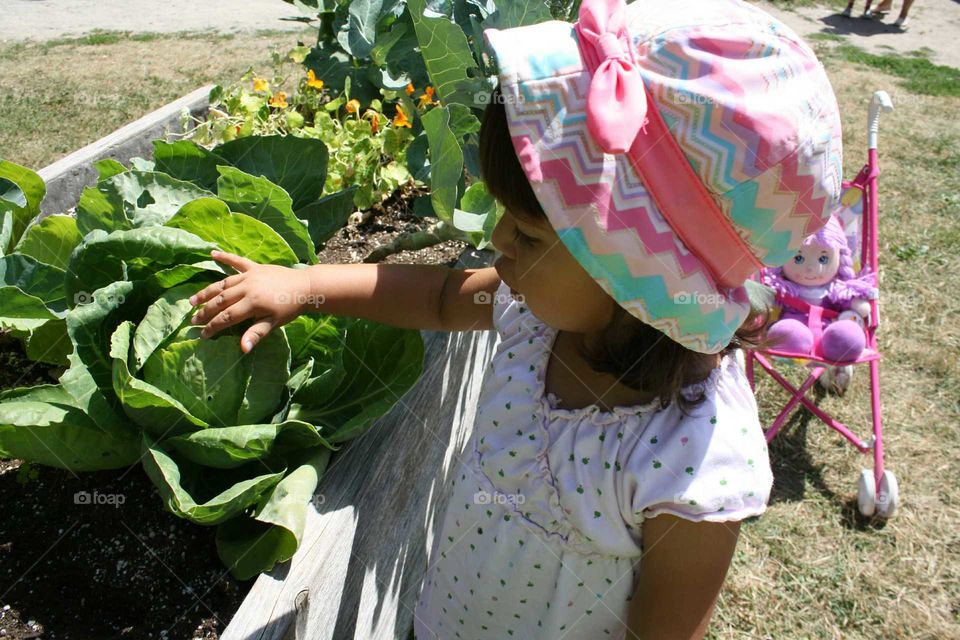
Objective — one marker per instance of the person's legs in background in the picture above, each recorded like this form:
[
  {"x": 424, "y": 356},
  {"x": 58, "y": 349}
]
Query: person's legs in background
[{"x": 904, "y": 10}]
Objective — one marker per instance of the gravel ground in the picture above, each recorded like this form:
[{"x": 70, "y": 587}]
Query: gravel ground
[
  {"x": 933, "y": 27},
  {"x": 46, "y": 19}
]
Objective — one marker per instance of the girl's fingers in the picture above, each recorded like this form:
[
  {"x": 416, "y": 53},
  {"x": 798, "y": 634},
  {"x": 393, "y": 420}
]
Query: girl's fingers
[
  {"x": 229, "y": 316},
  {"x": 239, "y": 263},
  {"x": 256, "y": 332},
  {"x": 218, "y": 303},
  {"x": 217, "y": 287}
]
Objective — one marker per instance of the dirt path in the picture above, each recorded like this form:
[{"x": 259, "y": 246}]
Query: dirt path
[
  {"x": 934, "y": 27},
  {"x": 46, "y": 19}
]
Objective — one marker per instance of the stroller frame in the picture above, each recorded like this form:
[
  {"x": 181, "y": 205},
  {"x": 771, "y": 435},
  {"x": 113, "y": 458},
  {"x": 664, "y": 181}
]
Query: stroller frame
[{"x": 878, "y": 492}]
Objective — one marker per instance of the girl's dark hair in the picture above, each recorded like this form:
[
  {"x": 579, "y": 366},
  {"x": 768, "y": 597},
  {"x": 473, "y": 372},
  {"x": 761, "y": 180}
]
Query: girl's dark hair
[{"x": 628, "y": 348}]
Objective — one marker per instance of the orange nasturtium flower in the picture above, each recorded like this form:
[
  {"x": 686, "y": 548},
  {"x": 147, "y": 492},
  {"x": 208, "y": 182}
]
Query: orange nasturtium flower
[
  {"x": 400, "y": 120},
  {"x": 409, "y": 89},
  {"x": 427, "y": 98},
  {"x": 259, "y": 84},
  {"x": 312, "y": 80},
  {"x": 279, "y": 100},
  {"x": 353, "y": 106},
  {"x": 374, "y": 122}
]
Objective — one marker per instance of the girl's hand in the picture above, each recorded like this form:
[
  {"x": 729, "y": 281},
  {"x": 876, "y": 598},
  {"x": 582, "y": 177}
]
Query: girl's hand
[{"x": 271, "y": 294}]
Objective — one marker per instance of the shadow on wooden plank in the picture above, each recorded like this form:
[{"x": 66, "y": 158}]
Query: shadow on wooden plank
[{"x": 358, "y": 570}]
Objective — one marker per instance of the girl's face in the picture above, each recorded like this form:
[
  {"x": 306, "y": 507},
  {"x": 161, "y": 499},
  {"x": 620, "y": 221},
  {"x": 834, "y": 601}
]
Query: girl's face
[
  {"x": 537, "y": 266},
  {"x": 814, "y": 265}
]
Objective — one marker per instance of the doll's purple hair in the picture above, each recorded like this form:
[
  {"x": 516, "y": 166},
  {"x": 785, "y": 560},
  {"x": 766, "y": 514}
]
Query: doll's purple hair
[{"x": 847, "y": 285}]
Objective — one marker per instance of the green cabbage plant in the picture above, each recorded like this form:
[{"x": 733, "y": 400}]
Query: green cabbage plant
[{"x": 230, "y": 439}]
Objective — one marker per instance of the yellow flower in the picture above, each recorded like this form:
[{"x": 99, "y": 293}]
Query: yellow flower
[
  {"x": 427, "y": 98},
  {"x": 400, "y": 120},
  {"x": 312, "y": 80},
  {"x": 259, "y": 84},
  {"x": 279, "y": 100},
  {"x": 353, "y": 106},
  {"x": 409, "y": 88}
]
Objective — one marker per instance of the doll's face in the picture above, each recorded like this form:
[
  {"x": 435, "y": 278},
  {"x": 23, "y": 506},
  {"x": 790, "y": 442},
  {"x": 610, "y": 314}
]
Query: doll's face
[{"x": 814, "y": 265}]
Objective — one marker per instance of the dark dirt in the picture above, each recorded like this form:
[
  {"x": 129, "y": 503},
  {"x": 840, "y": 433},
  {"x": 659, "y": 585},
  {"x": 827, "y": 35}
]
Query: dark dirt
[{"x": 122, "y": 567}]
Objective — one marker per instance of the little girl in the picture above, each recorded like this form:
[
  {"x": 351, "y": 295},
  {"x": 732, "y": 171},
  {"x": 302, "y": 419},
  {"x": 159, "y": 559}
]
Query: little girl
[{"x": 650, "y": 158}]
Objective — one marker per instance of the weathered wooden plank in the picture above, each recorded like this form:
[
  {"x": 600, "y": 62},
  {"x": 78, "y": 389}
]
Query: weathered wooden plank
[
  {"x": 357, "y": 572},
  {"x": 67, "y": 177}
]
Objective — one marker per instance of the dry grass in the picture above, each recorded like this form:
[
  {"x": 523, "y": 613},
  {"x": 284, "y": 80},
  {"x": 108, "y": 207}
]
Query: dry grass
[
  {"x": 811, "y": 567},
  {"x": 58, "y": 96}
]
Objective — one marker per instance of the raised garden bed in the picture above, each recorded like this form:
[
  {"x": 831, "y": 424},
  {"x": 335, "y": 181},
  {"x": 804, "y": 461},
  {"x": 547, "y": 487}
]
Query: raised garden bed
[{"x": 97, "y": 555}]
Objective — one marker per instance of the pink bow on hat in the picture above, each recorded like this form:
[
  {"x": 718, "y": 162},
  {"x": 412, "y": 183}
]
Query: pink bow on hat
[{"x": 616, "y": 100}]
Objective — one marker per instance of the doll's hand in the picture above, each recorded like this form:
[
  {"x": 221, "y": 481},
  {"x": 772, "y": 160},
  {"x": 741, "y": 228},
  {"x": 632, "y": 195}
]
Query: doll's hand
[
  {"x": 860, "y": 306},
  {"x": 849, "y": 314},
  {"x": 271, "y": 294}
]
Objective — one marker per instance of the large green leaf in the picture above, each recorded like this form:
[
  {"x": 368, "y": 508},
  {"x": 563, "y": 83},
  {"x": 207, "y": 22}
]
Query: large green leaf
[
  {"x": 102, "y": 408},
  {"x": 134, "y": 199},
  {"x": 445, "y": 126},
  {"x": 36, "y": 279},
  {"x": 107, "y": 168},
  {"x": 186, "y": 160},
  {"x": 156, "y": 411},
  {"x": 162, "y": 319},
  {"x": 51, "y": 240},
  {"x": 517, "y": 13},
  {"x": 296, "y": 165},
  {"x": 211, "y": 219},
  {"x": 21, "y": 192},
  {"x": 178, "y": 484},
  {"x": 359, "y": 33},
  {"x": 380, "y": 363},
  {"x": 315, "y": 336},
  {"x": 21, "y": 311},
  {"x": 265, "y": 201},
  {"x": 132, "y": 254},
  {"x": 41, "y": 424},
  {"x": 446, "y": 54},
  {"x": 328, "y": 215},
  {"x": 478, "y": 215},
  {"x": 215, "y": 381},
  {"x": 252, "y": 546},
  {"x": 50, "y": 343},
  {"x": 229, "y": 447}
]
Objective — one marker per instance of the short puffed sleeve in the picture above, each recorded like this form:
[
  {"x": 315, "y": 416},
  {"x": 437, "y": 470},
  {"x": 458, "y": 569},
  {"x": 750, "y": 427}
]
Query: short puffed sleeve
[
  {"x": 508, "y": 312},
  {"x": 709, "y": 465}
]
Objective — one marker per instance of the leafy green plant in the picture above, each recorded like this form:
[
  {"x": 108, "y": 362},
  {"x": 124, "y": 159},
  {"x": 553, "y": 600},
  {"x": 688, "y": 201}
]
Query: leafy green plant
[
  {"x": 367, "y": 148},
  {"x": 230, "y": 439}
]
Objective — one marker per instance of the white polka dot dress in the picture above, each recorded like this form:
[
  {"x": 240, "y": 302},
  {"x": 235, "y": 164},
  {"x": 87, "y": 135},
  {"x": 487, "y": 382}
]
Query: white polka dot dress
[{"x": 541, "y": 537}]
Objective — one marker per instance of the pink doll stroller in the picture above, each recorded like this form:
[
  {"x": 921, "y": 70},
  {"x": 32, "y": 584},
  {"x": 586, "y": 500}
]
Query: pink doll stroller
[{"x": 877, "y": 493}]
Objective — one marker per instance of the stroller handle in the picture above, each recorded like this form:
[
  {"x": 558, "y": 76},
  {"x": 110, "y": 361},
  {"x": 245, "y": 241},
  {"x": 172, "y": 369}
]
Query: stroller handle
[{"x": 881, "y": 102}]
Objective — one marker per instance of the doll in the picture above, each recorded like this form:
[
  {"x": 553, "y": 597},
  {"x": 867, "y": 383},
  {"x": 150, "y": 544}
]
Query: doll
[{"x": 822, "y": 274}]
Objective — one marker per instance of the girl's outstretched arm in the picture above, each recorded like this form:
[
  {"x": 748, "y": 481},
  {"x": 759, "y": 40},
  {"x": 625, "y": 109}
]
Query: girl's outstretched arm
[
  {"x": 411, "y": 296},
  {"x": 427, "y": 297},
  {"x": 682, "y": 569}
]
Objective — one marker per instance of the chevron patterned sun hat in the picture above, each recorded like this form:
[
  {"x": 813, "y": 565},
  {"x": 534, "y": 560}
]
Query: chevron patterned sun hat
[{"x": 676, "y": 146}]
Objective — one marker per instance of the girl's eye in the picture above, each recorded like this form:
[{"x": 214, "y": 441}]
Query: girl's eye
[
  {"x": 798, "y": 259},
  {"x": 824, "y": 259},
  {"x": 519, "y": 236}
]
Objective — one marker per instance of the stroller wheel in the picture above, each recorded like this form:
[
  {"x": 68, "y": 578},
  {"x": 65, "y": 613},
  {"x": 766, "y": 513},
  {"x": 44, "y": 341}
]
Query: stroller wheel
[
  {"x": 889, "y": 499},
  {"x": 866, "y": 493}
]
